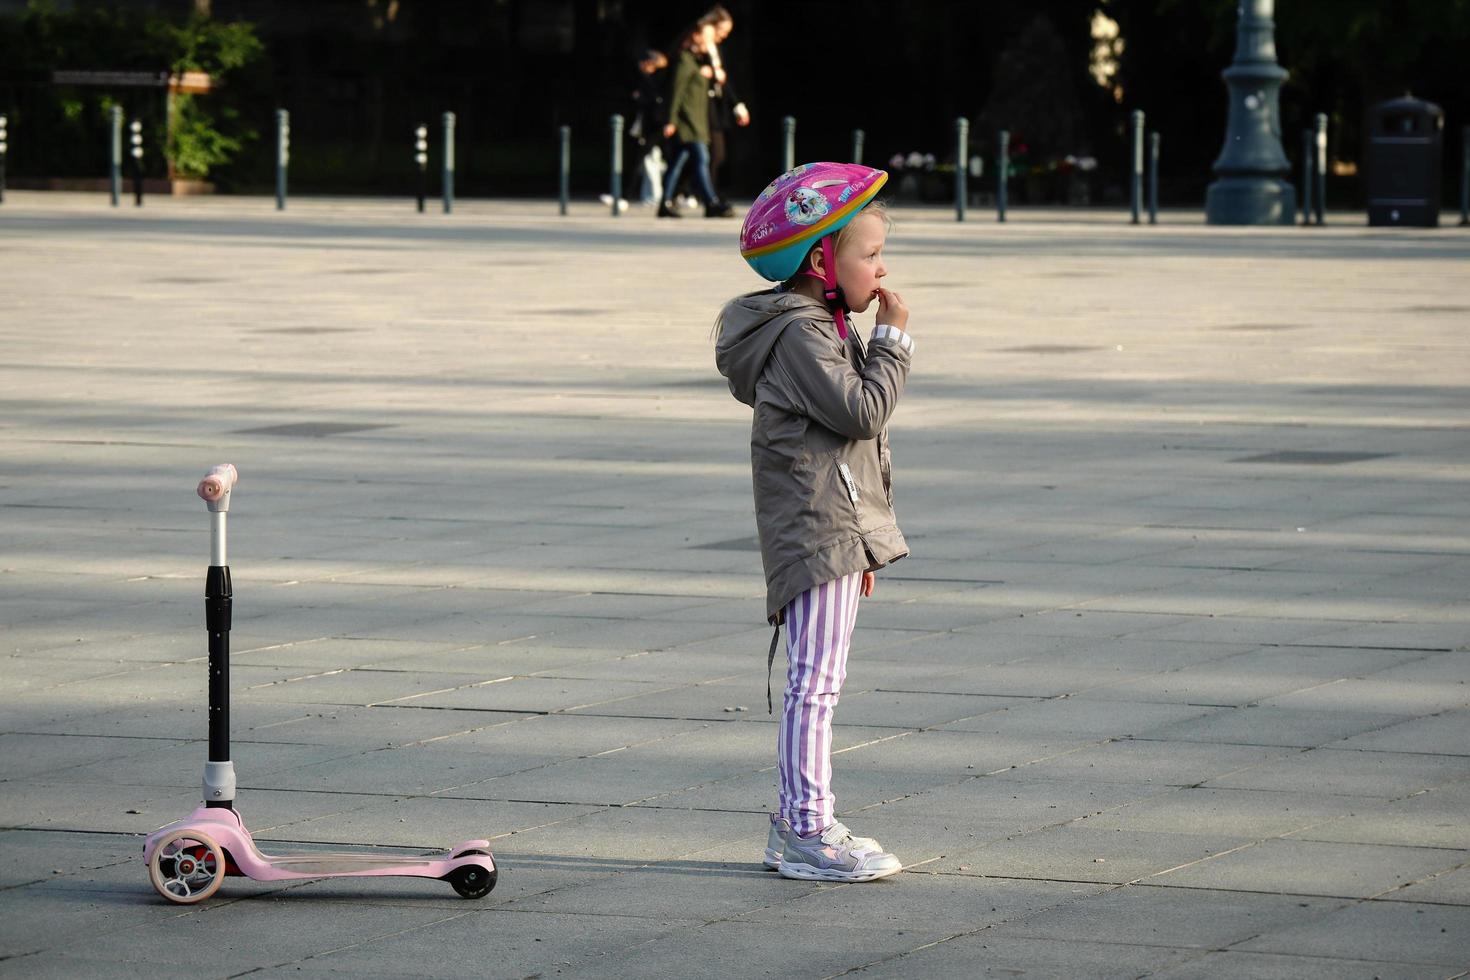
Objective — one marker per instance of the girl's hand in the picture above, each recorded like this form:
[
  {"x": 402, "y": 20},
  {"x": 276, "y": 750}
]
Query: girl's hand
[
  {"x": 891, "y": 309},
  {"x": 868, "y": 581}
]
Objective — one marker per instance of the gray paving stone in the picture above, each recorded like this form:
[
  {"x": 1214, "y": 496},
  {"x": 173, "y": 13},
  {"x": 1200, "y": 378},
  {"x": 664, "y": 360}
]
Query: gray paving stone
[
  {"x": 182, "y": 764},
  {"x": 1138, "y": 652},
  {"x": 411, "y": 770},
  {"x": 1164, "y": 762},
  {"x": 1383, "y": 694},
  {"x": 657, "y": 667},
  {"x": 690, "y": 888},
  {"x": 1451, "y": 888},
  {"x": 1301, "y": 867},
  {"x": 1246, "y": 813},
  {"x": 1147, "y": 916},
  {"x": 236, "y": 933},
  {"x": 958, "y": 754},
  {"x": 1272, "y": 966},
  {"x": 1432, "y": 818},
  {"x": 502, "y": 659},
  {"x": 1040, "y": 680},
  {"x": 26, "y": 755},
  {"x": 1273, "y": 725},
  {"x": 1398, "y": 932},
  {"x": 569, "y": 735},
  {"x": 522, "y": 694},
  {"x": 77, "y": 860},
  {"x": 700, "y": 951},
  {"x": 1078, "y": 852},
  {"x": 430, "y": 822},
  {"x": 1442, "y": 733},
  {"x": 985, "y": 955},
  {"x": 952, "y": 820},
  {"x": 1082, "y": 718},
  {"x": 364, "y": 687},
  {"x": 71, "y": 805},
  {"x": 602, "y": 781},
  {"x": 1349, "y": 773},
  {"x": 1282, "y": 677}
]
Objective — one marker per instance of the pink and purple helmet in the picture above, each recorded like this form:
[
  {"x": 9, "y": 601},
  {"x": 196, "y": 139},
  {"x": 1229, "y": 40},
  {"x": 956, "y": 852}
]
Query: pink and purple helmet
[{"x": 800, "y": 208}]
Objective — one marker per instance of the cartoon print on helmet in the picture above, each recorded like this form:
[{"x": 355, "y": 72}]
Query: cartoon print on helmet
[
  {"x": 805, "y": 206},
  {"x": 779, "y": 184}
]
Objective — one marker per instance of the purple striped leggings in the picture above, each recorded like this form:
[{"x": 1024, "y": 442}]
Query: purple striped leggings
[{"x": 818, "y": 631}]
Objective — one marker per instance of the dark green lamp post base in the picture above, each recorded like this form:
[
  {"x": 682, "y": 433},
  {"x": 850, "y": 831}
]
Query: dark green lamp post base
[{"x": 1250, "y": 201}]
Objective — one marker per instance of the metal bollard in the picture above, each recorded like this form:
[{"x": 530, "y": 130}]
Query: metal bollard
[
  {"x": 1135, "y": 177},
  {"x": 115, "y": 170},
  {"x": 448, "y": 188},
  {"x": 283, "y": 155},
  {"x": 421, "y": 157},
  {"x": 858, "y": 136},
  {"x": 616, "y": 123},
  {"x": 1320, "y": 169},
  {"x": 564, "y": 179},
  {"x": 1307, "y": 144},
  {"x": 961, "y": 165},
  {"x": 4, "y": 149},
  {"x": 136, "y": 127},
  {"x": 788, "y": 143},
  {"x": 1002, "y": 174},
  {"x": 1465, "y": 176},
  {"x": 1154, "y": 139}
]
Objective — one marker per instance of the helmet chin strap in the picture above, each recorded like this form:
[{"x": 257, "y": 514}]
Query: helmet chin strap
[{"x": 831, "y": 292}]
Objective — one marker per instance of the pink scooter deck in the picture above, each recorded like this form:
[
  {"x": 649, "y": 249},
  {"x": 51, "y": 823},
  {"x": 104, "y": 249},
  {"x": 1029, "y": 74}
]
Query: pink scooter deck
[{"x": 226, "y": 827}]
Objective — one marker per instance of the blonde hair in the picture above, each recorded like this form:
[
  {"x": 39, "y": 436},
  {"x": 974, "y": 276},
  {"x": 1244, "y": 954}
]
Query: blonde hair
[{"x": 876, "y": 207}]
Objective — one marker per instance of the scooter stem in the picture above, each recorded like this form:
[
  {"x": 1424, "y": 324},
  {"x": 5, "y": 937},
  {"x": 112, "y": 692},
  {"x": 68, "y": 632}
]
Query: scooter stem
[{"x": 219, "y": 771}]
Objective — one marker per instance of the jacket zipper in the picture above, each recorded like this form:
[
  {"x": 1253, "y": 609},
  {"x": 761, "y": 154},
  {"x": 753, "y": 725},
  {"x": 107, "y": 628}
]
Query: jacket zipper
[{"x": 852, "y": 490}]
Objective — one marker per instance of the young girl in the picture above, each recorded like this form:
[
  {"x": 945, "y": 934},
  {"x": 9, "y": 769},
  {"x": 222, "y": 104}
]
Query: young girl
[{"x": 820, "y": 463}]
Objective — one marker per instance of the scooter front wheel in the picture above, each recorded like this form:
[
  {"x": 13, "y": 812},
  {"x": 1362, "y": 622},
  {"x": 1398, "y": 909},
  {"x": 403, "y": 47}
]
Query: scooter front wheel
[{"x": 187, "y": 867}]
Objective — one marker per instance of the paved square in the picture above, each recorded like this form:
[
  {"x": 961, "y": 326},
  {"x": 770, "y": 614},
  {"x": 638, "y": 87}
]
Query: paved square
[{"x": 1176, "y": 682}]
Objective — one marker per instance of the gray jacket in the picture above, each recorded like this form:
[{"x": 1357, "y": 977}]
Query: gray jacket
[{"x": 818, "y": 440}]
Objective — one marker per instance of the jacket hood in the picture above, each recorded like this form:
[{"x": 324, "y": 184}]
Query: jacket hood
[{"x": 747, "y": 328}]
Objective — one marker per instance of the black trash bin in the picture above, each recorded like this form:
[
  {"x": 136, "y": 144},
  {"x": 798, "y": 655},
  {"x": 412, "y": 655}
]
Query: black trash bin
[{"x": 1405, "y": 143}]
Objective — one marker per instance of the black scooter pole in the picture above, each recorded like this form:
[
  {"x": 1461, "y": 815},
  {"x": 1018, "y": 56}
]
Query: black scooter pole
[{"x": 217, "y": 602}]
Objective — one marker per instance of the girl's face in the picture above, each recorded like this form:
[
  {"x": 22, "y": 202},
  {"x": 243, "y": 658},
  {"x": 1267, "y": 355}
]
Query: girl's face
[{"x": 860, "y": 266}]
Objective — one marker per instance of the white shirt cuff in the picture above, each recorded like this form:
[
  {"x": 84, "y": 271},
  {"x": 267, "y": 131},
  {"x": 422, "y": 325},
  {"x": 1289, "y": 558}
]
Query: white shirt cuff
[{"x": 885, "y": 331}]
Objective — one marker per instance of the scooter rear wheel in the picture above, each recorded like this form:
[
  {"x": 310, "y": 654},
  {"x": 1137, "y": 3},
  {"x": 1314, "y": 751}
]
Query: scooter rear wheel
[
  {"x": 473, "y": 881},
  {"x": 187, "y": 867}
]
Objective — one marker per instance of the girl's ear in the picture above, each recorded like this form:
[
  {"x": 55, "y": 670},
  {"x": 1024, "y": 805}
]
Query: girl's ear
[{"x": 816, "y": 262}]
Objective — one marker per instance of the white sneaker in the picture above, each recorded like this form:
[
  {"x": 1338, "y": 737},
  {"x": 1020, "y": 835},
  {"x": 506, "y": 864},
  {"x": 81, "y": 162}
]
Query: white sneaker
[{"x": 836, "y": 855}]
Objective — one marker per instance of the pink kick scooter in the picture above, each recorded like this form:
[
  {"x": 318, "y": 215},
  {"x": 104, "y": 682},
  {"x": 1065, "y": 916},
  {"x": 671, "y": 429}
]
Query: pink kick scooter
[{"x": 189, "y": 859}]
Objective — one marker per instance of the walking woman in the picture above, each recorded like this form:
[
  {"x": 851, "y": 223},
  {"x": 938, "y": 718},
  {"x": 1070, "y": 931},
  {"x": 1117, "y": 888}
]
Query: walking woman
[{"x": 688, "y": 114}]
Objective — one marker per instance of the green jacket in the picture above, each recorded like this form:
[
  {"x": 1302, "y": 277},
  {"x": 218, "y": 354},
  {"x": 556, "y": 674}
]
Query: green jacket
[{"x": 689, "y": 100}]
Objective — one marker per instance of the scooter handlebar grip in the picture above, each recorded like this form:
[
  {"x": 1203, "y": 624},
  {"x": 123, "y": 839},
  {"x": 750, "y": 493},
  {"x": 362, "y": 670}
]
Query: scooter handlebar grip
[{"x": 218, "y": 482}]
